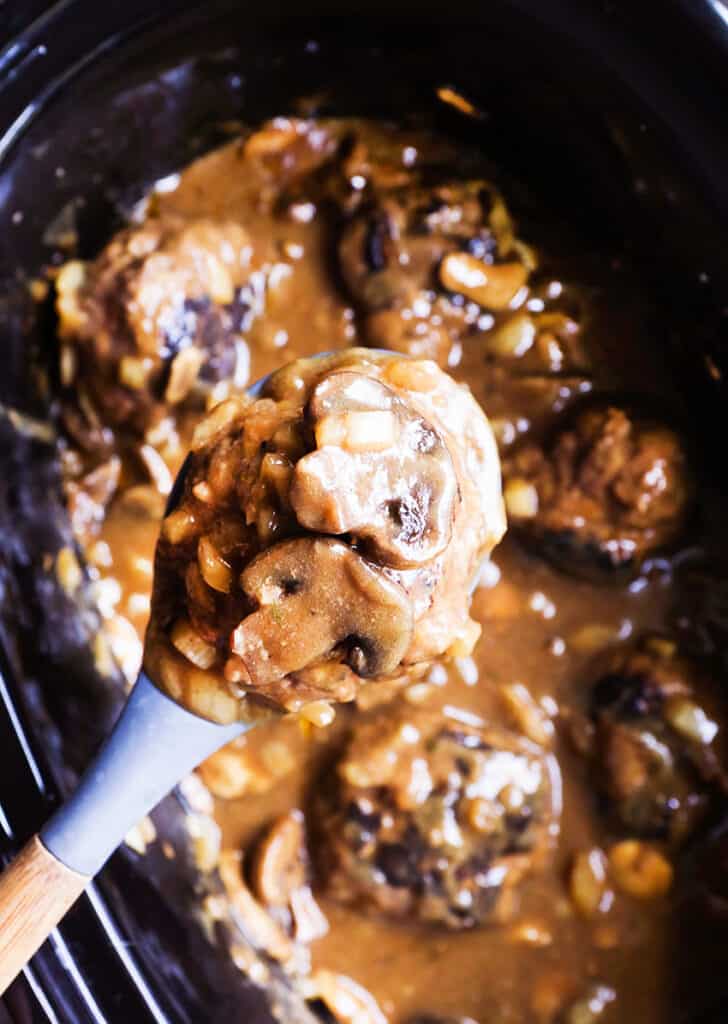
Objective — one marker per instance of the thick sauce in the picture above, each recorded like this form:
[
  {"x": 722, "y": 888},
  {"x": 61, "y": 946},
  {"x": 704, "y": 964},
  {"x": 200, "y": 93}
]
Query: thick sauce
[{"x": 541, "y": 628}]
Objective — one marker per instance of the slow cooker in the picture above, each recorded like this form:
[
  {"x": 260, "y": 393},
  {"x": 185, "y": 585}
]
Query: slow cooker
[{"x": 623, "y": 102}]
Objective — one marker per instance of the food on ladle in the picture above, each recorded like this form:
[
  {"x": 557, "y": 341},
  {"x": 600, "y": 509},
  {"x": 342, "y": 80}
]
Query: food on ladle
[
  {"x": 431, "y": 818},
  {"x": 329, "y": 533},
  {"x": 609, "y": 488}
]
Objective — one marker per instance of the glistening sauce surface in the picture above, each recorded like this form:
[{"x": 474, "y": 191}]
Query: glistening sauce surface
[{"x": 549, "y": 961}]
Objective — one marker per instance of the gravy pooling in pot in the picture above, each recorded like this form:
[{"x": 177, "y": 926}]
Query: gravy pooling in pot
[{"x": 506, "y": 845}]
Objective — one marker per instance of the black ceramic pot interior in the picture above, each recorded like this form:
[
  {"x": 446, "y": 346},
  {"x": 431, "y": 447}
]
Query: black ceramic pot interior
[{"x": 602, "y": 144}]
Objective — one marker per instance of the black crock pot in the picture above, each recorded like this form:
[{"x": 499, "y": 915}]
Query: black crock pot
[{"x": 612, "y": 114}]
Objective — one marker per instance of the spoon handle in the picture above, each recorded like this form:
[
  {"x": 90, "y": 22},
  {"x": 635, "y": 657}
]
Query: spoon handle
[
  {"x": 35, "y": 892},
  {"x": 154, "y": 744}
]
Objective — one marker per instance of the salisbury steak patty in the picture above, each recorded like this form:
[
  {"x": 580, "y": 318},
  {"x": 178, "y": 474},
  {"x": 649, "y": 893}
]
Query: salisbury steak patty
[
  {"x": 655, "y": 755},
  {"x": 431, "y": 818},
  {"x": 608, "y": 488},
  {"x": 159, "y": 312},
  {"x": 423, "y": 262}
]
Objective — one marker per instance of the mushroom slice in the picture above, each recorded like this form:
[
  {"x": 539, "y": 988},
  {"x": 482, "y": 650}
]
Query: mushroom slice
[
  {"x": 281, "y": 862},
  {"x": 380, "y": 472},
  {"x": 318, "y": 598}
]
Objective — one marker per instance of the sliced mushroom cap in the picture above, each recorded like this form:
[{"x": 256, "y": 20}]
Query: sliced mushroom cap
[
  {"x": 370, "y": 252},
  {"x": 318, "y": 598},
  {"x": 380, "y": 472},
  {"x": 280, "y": 865}
]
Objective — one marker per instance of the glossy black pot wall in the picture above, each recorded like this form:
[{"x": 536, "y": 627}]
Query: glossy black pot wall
[{"x": 595, "y": 108}]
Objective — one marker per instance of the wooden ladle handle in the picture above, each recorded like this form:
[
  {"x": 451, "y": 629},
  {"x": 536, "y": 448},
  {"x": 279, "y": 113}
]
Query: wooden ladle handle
[{"x": 36, "y": 890}]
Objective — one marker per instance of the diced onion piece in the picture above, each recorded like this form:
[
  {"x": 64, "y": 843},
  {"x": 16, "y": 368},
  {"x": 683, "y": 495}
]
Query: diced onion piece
[
  {"x": 531, "y": 933},
  {"x": 230, "y": 773},
  {"x": 216, "y": 572},
  {"x": 413, "y": 374},
  {"x": 661, "y": 646},
  {"x": 203, "y": 492},
  {"x": 217, "y": 421},
  {"x": 331, "y": 431},
  {"x": 270, "y": 139},
  {"x": 492, "y": 286},
  {"x": 68, "y": 570},
  {"x": 206, "y": 840},
  {"x": 521, "y": 498},
  {"x": 134, "y": 371},
  {"x": 689, "y": 719},
  {"x": 157, "y": 468},
  {"x": 369, "y": 431},
  {"x": 67, "y": 364},
  {"x": 189, "y": 642},
  {"x": 513, "y": 338},
  {"x": 588, "y": 882},
  {"x": 179, "y": 526},
  {"x": 183, "y": 372},
  {"x": 219, "y": 283},
  {"x": 141, "y": 835},
  {"x": 530, "y": 717},
  {"x": 276, "y": 471},
  {"x": 319, "y": 713},
  {"x": 593, "y": 636},
  {"x": 69, "y": 282},
  {"x": 463, "y": 644},
  {"x": 277, "y": 758},
  {"x": 639, "y": 869}
]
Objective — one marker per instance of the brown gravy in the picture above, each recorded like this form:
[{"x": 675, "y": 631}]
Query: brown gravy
[{"x": 540, "y": 628}]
